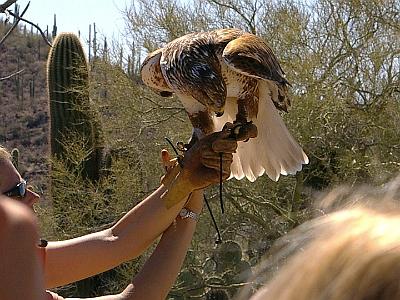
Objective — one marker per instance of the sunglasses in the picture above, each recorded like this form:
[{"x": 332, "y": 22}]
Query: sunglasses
[{"x": 18, "y": 191}]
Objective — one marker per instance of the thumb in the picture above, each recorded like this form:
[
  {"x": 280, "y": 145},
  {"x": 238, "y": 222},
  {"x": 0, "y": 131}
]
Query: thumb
[{"x": 166, "y": 159}]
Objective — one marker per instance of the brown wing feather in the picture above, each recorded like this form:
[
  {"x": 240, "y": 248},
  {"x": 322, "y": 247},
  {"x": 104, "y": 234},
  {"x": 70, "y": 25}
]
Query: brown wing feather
[{"x": 251, "y": 56}]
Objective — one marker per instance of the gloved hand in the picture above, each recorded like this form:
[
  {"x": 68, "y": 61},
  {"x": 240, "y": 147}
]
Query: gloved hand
[{"x": 200, "y": 166}]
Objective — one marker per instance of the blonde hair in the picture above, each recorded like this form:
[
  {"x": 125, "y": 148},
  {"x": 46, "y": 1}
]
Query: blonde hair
[
  {"x": 4, "y": 154},
  {"x": 351, "y": 253}
]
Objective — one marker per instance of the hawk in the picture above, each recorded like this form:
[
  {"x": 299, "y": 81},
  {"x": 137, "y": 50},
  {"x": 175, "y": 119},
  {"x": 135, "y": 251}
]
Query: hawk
[{"x": 230, "y": 76}]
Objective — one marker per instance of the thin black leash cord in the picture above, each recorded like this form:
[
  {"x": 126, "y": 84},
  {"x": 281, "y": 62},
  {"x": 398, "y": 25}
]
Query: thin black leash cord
[
  {"x": 219, "y": 239},
  {"x": 220, "y": 183},
  {"x": 172, "y": 146}
]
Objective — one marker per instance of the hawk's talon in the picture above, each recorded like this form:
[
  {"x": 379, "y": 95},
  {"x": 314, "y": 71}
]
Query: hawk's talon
[
  {"x": 228, "y": 126},
  {"x": 236, "y": 130},
  {"x": 181, "y": 146},
  {"x": 243, "y": 131}
]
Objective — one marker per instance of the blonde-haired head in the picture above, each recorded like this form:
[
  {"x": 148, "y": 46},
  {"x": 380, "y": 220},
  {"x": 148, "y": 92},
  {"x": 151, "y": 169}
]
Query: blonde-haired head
[{"x": 351, "y": 253}]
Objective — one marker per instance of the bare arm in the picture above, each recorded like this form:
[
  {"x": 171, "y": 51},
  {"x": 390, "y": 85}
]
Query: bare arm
[
  {"x": 72, "y": 260},
  {"x": 161, "y": 270},
  {"x": 75, "y": 259}
]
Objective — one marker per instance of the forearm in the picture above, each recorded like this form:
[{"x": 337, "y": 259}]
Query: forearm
[
  {"x": 160, "y": 271},
  {"x": 71, "y": 260},
  {"x": 143, "y": 224}
]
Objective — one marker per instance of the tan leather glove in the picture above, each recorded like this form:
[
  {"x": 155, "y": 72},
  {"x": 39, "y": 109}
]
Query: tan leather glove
[{"x": 200, "y": 166}]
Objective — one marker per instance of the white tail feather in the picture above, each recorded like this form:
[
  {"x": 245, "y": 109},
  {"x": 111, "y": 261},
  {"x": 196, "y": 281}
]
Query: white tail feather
[{"x": 273, "y": 152}]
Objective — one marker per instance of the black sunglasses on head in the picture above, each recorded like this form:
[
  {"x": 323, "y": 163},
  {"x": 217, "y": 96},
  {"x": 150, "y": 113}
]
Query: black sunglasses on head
[{"x": 17, "y": 191}]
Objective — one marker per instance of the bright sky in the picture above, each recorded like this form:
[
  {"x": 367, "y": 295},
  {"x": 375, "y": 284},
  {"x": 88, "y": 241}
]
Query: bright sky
[{"x": 74, "y": 15}]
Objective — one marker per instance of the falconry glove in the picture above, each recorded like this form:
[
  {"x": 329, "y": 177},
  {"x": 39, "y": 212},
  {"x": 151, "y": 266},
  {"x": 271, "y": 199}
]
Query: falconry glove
[{"x": 200, "y": 166}]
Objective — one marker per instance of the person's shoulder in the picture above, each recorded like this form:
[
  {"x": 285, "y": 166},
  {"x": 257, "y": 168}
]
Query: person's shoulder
[
  {"x": 16, "y": 219},
  {"x": 14, "y": 212},
  {"x": 11, "y": 207}
]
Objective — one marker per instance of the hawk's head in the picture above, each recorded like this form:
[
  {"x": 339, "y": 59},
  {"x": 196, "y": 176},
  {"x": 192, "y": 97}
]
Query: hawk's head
[{"x": 152, "y": 75}]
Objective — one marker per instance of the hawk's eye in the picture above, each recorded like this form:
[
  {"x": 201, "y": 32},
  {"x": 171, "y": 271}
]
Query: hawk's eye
[{"x": 165, "y": 94}]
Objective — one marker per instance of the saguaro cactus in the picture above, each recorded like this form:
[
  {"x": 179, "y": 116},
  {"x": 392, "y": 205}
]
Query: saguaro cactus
[
  {"x": 73, "y": 119},
  {"x": 191, "y": 283},
  {"x": 15, "y": 158},
  {"x": 71, "y": 112},
  {"x": 54, "y": 32}
]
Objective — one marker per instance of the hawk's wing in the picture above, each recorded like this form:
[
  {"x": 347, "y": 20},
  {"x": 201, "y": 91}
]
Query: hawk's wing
[
  {"x": 274, "y": 151},
  {"x": 251, "y": 56}
]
